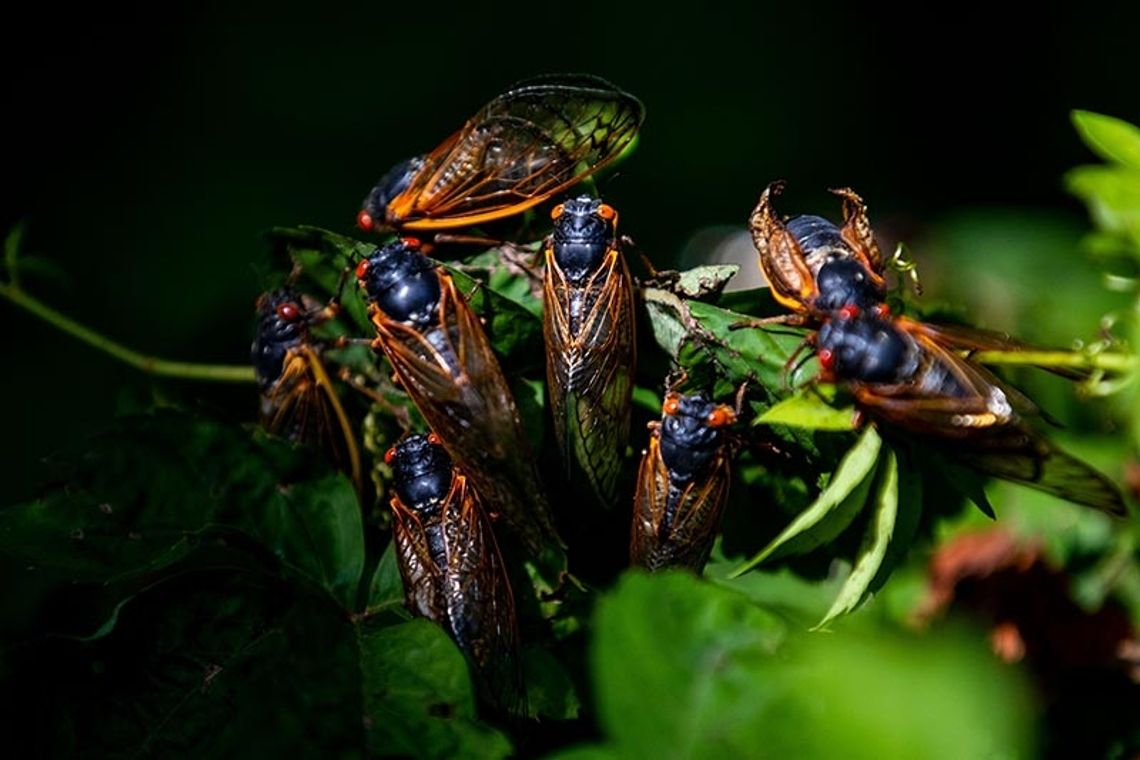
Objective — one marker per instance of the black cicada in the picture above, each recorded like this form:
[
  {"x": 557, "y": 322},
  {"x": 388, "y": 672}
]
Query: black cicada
[
  {"x": 298, "y": 400},
  {"x": 590, "y": 347},
  {"x": 528, "y": 144},
  {"x": 682, "y": 484},
  {"x": 906, "y": 374},
  {"x": 452, "y": 570}
]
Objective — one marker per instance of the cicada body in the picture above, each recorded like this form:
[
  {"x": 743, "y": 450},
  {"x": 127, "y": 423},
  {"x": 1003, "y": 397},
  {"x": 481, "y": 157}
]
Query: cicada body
[
  {"x": 442, "y": 358},
  {"x": 814, "y": 266},
  {"x": 588, "y": 323},
  {"x": 298, "y": 400},
  {"x": 682, "y": 484},
  {"x": 450, "y": 563},
  {"x": 909, "y": 375},
  {"x": 530, "y": 143}
]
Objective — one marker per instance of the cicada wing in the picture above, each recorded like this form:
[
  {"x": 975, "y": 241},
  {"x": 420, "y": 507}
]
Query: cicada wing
[
  {"x": 856, "y": 232},
  {"x": 781, "y": 259},
  {"x": 424, "y": 579},
  {"x": 972, "y": 339},
  {"x": 649, "y": 503},
  {"x": 521, "y": 148},
  {"x": 590, "y": 363},
  {"x": 1020, "y": 455},
  {"x": 302, "y": 405},
  {"x": 480, "y": 602},
  {"x": 950, "y": 396}
]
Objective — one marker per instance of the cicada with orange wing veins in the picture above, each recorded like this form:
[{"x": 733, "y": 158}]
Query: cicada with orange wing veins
[
  {"x": 588, "y": 323},
  {"x": 530, "y": 143},
  {"x": 682, "y": 484},
  {"x": 450, "y": 563},
  {"x": 814, "y": 266},
  {"x": 442, "y": 358},
  {"x": 298, "y": 399},
  {"x": 903, "y": 373}
]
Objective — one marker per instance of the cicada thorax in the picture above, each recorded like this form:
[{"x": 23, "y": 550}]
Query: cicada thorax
[
  {"x": 523, "y": 147},
  {"x": 297, "y": 398},
  {"x": 588, "y": 323},
  {"x": 450, "y": 563},
  {"x": 813, "y": 265},
  {"x": 682, "y": 484},
  {"x": 906, "y": 375},
  {"x": 443, "y": 359}
]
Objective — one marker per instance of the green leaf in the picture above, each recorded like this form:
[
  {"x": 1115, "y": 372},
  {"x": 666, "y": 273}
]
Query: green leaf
[
  {"x": 704, "y": 281},
  {"x": 1112, "y": 139},
  {"x": 833, "y": 510},
  {"x": 1112, "y": 194},
  {"x": 550, "y": 692},
  {"x": 386, "y": 592},
  {"x": 144, "y": 497},
  {"x": 808, "y": 409},
  {"x": 698, "y": 337},
  {"x": 682, "y": 667},
  {"x": 201, "y": 665},
  {"x": 875, "y": 542},
  {"x": 418, "y": 697}
]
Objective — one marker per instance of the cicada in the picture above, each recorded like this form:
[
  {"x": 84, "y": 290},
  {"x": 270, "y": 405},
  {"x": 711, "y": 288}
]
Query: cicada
[
  {"x": 442, "y": 358},
  {"x": 298, "y": 399},
  {"x": 589, "y": 327},
  {"x": 450, "y": 563},
  {"x": 682, "y": 484},
  {"x": 814, "y": 266},
  {"x": 528, "y": 144},
  {"x": 905, "y": 374}
]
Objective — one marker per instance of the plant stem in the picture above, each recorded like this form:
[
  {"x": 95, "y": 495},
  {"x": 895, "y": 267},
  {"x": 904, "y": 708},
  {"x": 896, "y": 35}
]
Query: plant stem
[
  {"x": 1107, "y": 361},
  {"x": 226, "y": 373}
]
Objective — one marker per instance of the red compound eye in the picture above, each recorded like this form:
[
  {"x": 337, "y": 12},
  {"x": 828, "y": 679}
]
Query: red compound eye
[
  {"x": 882, "y": 310},
  {"x": 850, "y": 311},
  {"x": 413, "y": 243},
  {"x": 826, "y": 359},
  {"x": 434, "y": 439},
  {"x": 721, "y": 416},
  {"x": 606, "y": 212},
  {"x": 672, "y": 404},
  {"x": 288, "y": 311},
  {"x": 557, "y": 211},
  {"x": 362, "y": 269},
  {"x": 390, "y": 456},
  {"x": 364, "y": 220}
]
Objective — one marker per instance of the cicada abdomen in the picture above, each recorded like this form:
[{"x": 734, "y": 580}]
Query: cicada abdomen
[
  {"x": 590, "y": 346},
  {"x": 298, "y": 400},
  {"x": 450, "y": 563},
  {"x": 682, "y": 484},
  {"x": 442, "y": 358}
]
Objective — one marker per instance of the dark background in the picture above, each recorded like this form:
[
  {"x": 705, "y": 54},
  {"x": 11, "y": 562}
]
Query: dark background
[{"x": 146, "y": 160}]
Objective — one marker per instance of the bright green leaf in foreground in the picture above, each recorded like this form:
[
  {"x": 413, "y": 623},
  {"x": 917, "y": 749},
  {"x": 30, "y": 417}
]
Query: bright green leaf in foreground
[{"x": 833, "y": 510}]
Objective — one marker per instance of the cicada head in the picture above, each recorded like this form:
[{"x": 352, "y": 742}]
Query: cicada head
[
  {"x": 402, "y": 282},
  {"x": 692, "y": 430},
  {"x": 422, "y": 472},
  {"x": 584, "y": 231},
  {"x": 374, "y": 210},
  {"x": 860, "y": 346},
  {"x": 281, "y": 325}
]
